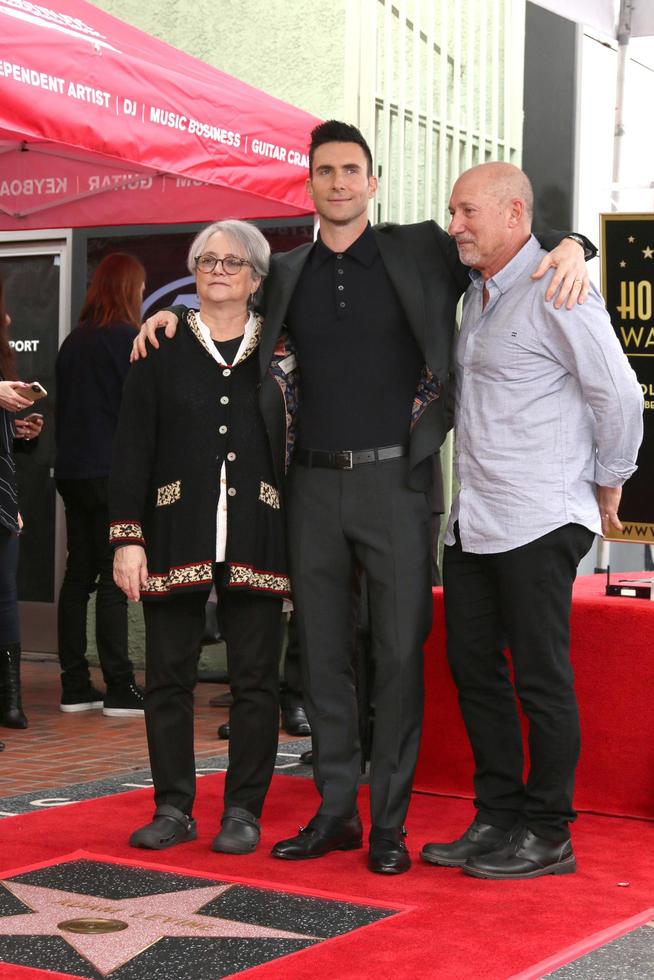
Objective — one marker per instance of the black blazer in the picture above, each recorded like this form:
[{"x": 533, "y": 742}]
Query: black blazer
[{"x": 422, "y": 263}]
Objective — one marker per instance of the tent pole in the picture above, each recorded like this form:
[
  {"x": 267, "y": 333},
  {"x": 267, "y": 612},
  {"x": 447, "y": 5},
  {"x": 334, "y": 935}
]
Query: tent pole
[{"x": 624, "y": 35}]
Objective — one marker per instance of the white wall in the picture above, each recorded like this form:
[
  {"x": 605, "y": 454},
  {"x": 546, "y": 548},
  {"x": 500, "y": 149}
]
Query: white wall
[{"x": 598, "y": 66}]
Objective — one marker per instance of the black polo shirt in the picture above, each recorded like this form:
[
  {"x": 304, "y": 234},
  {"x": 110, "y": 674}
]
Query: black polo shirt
[{"x": 359, "y": 362}]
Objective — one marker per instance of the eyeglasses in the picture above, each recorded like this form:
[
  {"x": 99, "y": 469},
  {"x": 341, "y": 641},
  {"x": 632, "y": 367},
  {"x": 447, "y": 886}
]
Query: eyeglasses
[{"x": 231, "y": 264}]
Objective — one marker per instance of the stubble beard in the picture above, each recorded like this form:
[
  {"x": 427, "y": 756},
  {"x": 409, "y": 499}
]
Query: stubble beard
[{"x": 468, "y": 253}]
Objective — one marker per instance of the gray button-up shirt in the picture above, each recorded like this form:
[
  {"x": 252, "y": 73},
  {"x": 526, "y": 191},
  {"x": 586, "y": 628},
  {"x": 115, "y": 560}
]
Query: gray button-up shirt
[{"x": 547, "y": 408}]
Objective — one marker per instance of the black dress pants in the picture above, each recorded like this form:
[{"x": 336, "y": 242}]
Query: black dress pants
[
  {"x": 340, "y": 520},
  {"x": 251, "y": 625},
  {"x": 520, "y": 598},
  {"x": 9, "y": 619},
  {"x": 89, "y": 566},
  {"x": 290, "y": 688}
]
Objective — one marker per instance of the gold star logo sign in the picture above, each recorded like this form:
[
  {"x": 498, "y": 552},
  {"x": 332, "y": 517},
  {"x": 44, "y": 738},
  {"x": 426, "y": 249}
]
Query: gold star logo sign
[
  {"x": 631, "y": 239},
  {"x": 623, "y": 264},
  {"x": 648, "y": 252}
]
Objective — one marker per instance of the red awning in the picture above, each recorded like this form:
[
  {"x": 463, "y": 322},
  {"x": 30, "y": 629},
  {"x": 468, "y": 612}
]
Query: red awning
[{"x": 101, "y": 124}]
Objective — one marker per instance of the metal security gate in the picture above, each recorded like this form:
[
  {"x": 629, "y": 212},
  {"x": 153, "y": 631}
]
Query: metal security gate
[
  {"x": 439, "y": 84},
  {"x": 437, "y": 87}
]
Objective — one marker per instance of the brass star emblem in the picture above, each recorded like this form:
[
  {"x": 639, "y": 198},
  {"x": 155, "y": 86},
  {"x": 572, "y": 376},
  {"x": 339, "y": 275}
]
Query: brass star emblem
[{"x": 648, "y": 252}]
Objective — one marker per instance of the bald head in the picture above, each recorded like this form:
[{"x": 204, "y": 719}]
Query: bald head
[
  {"x": 501, "y": 181},
  {"x": 491, "y": 207}
]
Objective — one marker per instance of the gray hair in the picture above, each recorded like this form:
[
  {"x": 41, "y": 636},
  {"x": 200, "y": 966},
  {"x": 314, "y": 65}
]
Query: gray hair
[{"x": 253, "y": 243}]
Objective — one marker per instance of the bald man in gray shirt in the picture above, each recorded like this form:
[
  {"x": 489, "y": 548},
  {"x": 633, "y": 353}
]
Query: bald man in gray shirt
[{"x": 548, "y": 423}]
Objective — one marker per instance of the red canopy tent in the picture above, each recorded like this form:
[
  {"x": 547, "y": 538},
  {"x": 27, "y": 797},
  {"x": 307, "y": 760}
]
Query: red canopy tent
[{"x": 101, "y": 124}]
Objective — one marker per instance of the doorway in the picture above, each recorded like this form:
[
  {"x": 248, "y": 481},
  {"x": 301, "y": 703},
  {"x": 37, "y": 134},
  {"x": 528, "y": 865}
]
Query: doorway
[{"x": 35, "y": 276}]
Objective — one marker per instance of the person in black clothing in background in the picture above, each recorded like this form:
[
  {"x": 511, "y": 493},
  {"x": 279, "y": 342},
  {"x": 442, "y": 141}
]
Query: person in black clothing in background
[
  {"x": 90, "y": 369},
  {"x": 291, "y": 699},
  {"x": 18, "y": 434}
]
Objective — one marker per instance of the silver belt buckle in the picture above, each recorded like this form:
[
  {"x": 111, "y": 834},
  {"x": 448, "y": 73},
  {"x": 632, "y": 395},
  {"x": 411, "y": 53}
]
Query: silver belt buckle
[{"x": 347, "y": 453}]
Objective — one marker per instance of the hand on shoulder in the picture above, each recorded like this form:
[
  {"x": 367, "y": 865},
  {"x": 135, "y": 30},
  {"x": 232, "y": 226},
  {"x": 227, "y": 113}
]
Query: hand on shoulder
[{"x": 166, "y": 320}]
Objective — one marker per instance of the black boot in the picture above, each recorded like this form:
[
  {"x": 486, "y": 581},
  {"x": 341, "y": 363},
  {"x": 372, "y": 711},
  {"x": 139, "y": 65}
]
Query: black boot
[{"x": 11, "y": 707}]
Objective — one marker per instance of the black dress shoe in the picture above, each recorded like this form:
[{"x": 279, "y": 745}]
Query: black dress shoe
[
  {"x": 307, "y": 758},
  {"x": 294, "y": 720},
  {"x": 239, "y": 832},
  {"x": 320, "y": 836},
  {"x": 479, "y": 838},
  {"x": 526, "y": 856},
  {"x": 224, "y": 731},
  {"x": 388, "y": 854}
]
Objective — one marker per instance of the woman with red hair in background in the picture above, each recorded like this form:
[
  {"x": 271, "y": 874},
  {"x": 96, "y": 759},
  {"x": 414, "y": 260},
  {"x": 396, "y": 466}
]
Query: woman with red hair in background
[
  {"x": 15, "y": 434},
  {"x": 91, "y": 367}
]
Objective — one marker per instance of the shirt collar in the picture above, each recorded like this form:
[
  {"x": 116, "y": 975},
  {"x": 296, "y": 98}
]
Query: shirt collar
[
  {"x": 363, "y": 250},
  {"x": 248, "y": 333},
  {"x": 514, "y": 270}
]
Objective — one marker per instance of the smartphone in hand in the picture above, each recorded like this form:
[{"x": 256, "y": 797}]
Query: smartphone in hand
[
  {"x": 29, "y": 427},
  {"x": 36, "y": 390}
]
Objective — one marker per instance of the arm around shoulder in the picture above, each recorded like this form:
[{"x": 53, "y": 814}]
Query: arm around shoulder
[
  {"x": 568, "y": 254},
  {"x": 167, "y": 320}
]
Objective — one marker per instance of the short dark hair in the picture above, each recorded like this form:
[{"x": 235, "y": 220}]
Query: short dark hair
[{"x": 333, "y": 131}]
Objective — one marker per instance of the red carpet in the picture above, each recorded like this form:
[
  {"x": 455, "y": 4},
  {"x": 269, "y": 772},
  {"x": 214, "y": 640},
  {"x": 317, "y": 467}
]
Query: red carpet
[
  {"x": 457, "y": 927},
  {"x": 612, "y": 640}
]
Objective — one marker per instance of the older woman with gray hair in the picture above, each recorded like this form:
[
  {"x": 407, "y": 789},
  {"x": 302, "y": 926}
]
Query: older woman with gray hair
[{"x": 195, "y": 501}]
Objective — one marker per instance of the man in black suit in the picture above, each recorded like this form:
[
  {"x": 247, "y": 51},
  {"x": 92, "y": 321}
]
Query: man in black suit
[{"x": 370, "y": 313}]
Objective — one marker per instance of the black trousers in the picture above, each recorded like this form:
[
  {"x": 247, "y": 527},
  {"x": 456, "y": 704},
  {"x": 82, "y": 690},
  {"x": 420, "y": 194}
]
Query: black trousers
[
  {"x": 520, "y": 598},
  {"x": 340, "y": 520},
  {"x": 251, "y": 625},
  {"x": 290, "y": 688},
  {"x": 9, "y": 619},
  {"x": 89, "y": 567}
]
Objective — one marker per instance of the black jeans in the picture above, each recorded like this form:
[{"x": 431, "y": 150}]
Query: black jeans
[
  {"x": 89, "y": 567},
  {"x": 520, "y": 599}
]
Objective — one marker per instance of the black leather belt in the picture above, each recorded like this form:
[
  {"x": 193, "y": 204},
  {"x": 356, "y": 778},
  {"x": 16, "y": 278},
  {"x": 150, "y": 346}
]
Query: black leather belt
[{"x": 345, "y": 459}]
